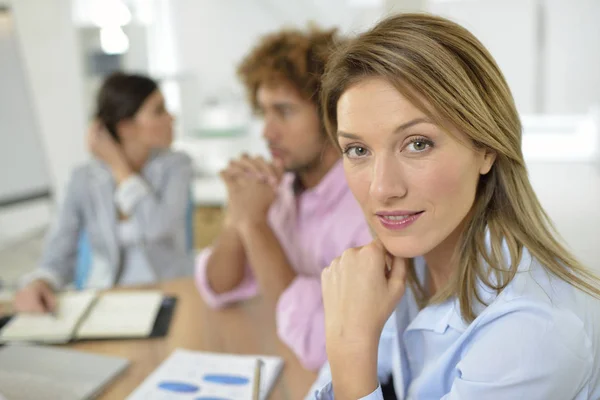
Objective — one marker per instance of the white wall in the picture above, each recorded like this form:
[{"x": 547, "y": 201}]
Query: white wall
[
  {"x": 23, "y": 169},
  {"x": 211, "y": 37},
  {"x": 21, "y": 221},
  {"x": 508, "y": 29},
  {"x": 395, "y": 6},
  {"x": 549, "y": 50},
  {"x": 570, "y": 194},
  {"x": 572, "y": 56},
  {"x": 50, "y": 55},
  {"x": 200, "y": 43},
  {"x": 53, "y": 66}
]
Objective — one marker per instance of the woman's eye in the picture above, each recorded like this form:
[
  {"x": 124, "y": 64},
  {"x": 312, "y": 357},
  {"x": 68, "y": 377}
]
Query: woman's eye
[
  {"x": 419, "y": 145},
  {"x": 285, "y": 112},
  {"x": 360, "y": 151},
  {"x": 356, "y": 152}
]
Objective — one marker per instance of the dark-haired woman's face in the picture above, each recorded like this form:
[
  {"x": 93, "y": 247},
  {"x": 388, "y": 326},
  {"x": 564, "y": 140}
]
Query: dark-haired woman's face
[{"x": 152, "y": 126}]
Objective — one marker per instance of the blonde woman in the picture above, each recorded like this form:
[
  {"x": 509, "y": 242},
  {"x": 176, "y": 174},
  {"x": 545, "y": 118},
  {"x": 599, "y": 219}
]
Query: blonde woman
[{"x": 489, "y": 304}]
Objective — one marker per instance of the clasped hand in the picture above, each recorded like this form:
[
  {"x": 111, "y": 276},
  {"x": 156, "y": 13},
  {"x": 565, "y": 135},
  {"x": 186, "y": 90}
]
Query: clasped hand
[{"x": 252, "y": 184}]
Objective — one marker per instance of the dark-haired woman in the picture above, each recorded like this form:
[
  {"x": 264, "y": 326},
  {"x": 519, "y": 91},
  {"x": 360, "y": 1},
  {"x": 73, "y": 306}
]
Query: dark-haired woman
[{"x": 130, "y": 201}]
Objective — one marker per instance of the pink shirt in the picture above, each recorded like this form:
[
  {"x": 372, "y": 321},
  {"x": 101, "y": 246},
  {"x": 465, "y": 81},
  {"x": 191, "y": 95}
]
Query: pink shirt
[{"x": 313, "y": 228}]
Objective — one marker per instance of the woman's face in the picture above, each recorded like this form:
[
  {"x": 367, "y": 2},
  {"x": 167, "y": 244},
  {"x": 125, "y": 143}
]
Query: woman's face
[
  {"x": 152, "y": 125},
  {"x": 415, "y": 182}
]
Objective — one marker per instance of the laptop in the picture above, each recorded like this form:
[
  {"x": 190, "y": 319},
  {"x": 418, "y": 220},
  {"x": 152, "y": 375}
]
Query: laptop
[{"x": 29, "y": 372}]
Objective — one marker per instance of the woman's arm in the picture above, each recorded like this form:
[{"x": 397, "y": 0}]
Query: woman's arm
[
  {"x": 360, "y": 291},
  {"x": 57, "y": 266},
  {"x": 156, "y": 212}
]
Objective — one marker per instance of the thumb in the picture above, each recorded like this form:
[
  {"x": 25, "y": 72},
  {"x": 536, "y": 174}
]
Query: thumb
[
  {"x": 387, "y": 256},
  {"x": 397, "y": 276},
  {"x": 395, "y": 268}
]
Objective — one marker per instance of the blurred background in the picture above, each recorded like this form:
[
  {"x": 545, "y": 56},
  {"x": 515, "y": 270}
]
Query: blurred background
[{"x": 55, "y": 53}]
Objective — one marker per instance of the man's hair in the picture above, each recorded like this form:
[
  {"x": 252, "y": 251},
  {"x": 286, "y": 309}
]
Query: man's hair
[{"x": 294, "y": 57}]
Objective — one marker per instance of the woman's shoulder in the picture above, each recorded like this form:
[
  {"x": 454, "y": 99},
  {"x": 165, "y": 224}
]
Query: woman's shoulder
[
  {"x": 535, "y": 282},
  {"x": 171, "y": 157},
  {"x": 535, "y": 291},
  {"x": 87, "y": 171},
  {"x": 532, "y": 281},
  {"x": 166, "y": 163},
  {"x": 560, "y": 318}
]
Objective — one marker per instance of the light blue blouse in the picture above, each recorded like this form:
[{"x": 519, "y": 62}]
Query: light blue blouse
[{"x": 538, "y": 339}]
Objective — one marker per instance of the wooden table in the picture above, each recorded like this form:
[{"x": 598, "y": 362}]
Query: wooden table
[{"x": 245, "y": 329}]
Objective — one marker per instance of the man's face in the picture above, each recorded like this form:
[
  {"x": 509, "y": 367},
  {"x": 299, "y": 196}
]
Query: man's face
[{"x": 292, "y": 127}]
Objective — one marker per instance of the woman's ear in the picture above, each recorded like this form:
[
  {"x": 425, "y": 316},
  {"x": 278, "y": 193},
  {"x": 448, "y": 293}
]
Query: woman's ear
[{"x": 489, "y": 157}]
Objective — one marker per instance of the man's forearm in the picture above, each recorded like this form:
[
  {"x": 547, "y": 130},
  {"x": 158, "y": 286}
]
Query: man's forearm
[
  {"x": 225, "y": 267},
  {"x": 267, "y": 259}
]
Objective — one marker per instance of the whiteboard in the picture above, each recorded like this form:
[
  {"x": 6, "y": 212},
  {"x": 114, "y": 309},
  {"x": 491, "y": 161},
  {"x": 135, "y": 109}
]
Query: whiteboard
[{"x": 23, "y": 166}]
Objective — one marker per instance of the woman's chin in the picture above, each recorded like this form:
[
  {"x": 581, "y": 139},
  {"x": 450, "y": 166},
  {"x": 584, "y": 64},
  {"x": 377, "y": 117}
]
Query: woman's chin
[{"x": 404, "y": 247}]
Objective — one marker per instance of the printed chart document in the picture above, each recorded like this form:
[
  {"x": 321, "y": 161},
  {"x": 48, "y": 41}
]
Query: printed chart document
[{"x": 209, "y": 375}]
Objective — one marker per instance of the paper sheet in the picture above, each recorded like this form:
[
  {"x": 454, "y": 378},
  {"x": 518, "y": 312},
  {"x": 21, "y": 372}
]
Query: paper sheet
[
  {"x": 49, "y": 328},
  {"x": 197, "y": 375},
  {"x": 121, "y": 315}
]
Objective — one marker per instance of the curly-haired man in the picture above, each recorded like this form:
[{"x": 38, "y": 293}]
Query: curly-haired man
[{"x": 287, "y": 219}]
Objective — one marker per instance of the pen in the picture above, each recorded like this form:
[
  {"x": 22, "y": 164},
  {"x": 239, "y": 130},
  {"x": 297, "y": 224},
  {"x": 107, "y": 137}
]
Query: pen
[
  {"x": 257, "y": 378},
  {"x": 52, "y": 312}
]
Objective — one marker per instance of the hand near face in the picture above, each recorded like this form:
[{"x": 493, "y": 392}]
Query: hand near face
[
  {"x": 360, "y": 291},
  {"x": 103, "y": 146},
  {"x": 251, "y": 188}
]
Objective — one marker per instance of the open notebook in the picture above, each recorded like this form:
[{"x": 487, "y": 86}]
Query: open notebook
[
  {"x": 210, "y": 375},
  {"x": 88, "y": 315}
]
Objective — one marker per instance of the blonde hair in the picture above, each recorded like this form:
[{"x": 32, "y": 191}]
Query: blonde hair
[{"x": 450, "y": 76}]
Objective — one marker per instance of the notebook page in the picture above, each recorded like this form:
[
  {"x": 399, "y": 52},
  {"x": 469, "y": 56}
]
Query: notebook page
[
  {"x": 129, "y": 314},
  {"x": 59, "y": 328},
  {"x": 189, "y": 374}
]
